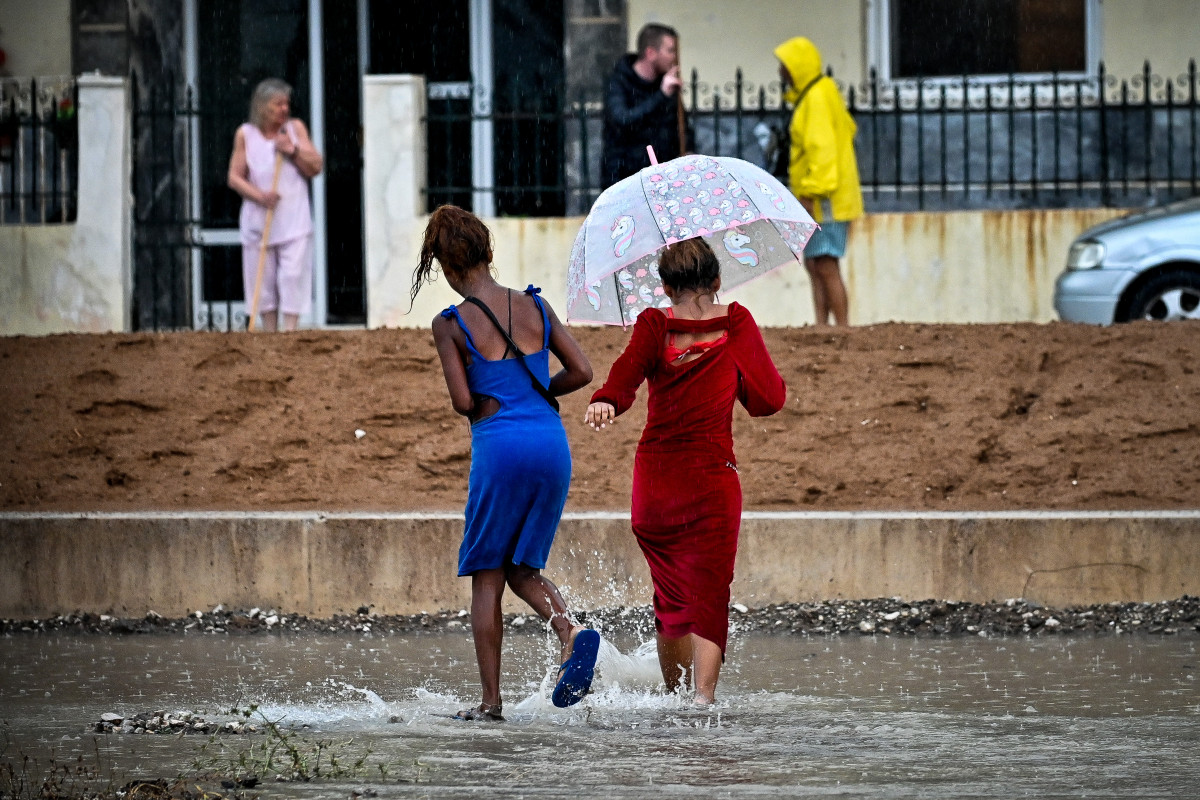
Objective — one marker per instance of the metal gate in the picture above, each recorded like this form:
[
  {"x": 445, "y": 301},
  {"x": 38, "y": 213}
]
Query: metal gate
[{"x": 178, "y": 282}]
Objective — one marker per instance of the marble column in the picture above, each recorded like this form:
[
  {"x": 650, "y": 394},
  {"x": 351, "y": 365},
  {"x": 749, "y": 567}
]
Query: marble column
[{"x": 394, "y": 176}]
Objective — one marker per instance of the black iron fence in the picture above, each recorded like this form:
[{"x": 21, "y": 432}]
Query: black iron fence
[
  {"x": 179, "y": 280},
  {"x": 39, "y": 150},
  {"x": 163, "y": 228},
  {"x": 1029, "y": 143},
  {"x": 972, "y": 143}
]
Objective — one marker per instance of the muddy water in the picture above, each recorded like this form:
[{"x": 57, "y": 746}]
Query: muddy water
[{"x": 798, "y": 716}]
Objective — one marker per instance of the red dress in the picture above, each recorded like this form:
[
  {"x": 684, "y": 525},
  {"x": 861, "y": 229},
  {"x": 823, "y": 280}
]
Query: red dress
[{"x": 687, "y": 500}]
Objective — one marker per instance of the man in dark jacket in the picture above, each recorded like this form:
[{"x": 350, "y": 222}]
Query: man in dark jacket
[{"x": 642, "y": 105}]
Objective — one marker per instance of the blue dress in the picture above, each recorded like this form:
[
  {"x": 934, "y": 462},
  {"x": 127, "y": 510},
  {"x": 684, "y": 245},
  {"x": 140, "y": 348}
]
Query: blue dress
[{"x": 520, "y": 461}]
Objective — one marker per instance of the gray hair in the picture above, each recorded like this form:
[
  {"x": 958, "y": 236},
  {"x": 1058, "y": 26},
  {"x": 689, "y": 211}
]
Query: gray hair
[{"x": 262, "y": 95}]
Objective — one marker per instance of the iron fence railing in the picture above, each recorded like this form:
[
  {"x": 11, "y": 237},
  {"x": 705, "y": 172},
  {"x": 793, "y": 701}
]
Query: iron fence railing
[
  {"x": 39, "y": 150},
  {"x": 1011, "y": 141},
  {"x": 169, "y": 218}
]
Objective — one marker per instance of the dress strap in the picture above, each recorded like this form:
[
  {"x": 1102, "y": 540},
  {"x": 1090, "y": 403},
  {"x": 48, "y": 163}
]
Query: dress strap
[
  {"x": 534, "y": 291},
  {"x": 694, "y": 326},
  {"x": 452, "y": 311}
]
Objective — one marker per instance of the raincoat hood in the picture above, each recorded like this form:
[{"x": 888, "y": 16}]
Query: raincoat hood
[{"x": 803, "y": 62}]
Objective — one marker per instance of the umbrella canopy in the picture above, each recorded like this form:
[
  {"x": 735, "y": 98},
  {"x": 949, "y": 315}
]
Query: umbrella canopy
[{"x": 753, "y": 223}]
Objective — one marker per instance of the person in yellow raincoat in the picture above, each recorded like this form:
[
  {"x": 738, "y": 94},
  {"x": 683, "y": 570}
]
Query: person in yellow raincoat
[{"x": 822, "y": 170}]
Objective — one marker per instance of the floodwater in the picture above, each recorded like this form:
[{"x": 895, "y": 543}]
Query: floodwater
[{"x": 1113, "y": 716}]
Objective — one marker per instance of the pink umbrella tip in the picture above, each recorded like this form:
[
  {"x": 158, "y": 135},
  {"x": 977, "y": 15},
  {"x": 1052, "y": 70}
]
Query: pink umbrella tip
[{"x": 653, "y": 158}]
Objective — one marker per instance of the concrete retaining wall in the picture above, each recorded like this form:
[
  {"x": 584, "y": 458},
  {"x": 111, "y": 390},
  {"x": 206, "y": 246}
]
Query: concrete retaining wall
[{"x": 322, "y": 564}]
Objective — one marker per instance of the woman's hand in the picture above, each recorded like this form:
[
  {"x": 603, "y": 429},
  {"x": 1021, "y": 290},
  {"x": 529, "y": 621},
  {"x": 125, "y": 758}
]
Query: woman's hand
[
  {"x": 600, "y": 414},
  {"x": 269, "y": 199},
  {"x": 284, "y": 144}
]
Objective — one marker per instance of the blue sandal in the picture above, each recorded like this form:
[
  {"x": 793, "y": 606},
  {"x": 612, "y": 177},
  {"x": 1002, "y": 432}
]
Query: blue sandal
[{"x": 578, "y": 671}]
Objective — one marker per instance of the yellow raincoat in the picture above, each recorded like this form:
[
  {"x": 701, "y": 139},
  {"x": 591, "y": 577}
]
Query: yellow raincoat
[{"x": 822, "y": 164}]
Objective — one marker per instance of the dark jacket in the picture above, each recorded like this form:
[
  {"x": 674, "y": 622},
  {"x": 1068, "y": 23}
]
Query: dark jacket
[{"x": 636, "y": 114}]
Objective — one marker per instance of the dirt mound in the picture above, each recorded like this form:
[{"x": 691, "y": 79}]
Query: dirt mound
[{"x": 888, "y": 417}]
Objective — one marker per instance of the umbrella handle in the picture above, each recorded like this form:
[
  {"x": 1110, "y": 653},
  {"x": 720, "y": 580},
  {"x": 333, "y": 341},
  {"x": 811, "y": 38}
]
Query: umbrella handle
[
  {"x": 653, "y": 158},
  {"x": 262, "y": 250},
  {"x": 681, "y": 123}
]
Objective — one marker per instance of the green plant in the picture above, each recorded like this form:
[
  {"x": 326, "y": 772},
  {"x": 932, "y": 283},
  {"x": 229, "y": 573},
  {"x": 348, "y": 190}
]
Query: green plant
[{"x": 282, "y": 753}]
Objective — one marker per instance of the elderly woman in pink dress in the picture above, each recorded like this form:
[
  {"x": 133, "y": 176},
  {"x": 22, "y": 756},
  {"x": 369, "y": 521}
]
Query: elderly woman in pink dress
[{"x": 287, "y": 269}]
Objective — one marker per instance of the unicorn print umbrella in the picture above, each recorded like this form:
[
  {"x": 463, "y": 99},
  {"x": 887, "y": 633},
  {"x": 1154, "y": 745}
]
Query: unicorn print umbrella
[{"x": 752, "y": 222}]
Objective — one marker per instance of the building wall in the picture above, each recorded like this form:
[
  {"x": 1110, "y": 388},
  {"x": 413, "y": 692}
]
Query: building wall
[
  {"x": 36, "y": 37},
  {"x": 75, "y": 277},
  {"x": 1165, "y": 32},
  {"x": 716, "y": 36},
  {"x": 971, "y": 266},
  {"x": 965, "y": 267}
]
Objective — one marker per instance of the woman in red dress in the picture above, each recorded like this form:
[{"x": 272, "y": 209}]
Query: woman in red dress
[{"x": 698, "y": 357}]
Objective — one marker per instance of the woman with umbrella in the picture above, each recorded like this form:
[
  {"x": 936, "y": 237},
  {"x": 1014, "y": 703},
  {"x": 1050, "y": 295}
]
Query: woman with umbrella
[{"x": 697, "y": 356}]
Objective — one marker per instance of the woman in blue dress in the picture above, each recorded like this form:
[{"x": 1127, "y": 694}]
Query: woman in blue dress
[{"x": 520, "y": 462}]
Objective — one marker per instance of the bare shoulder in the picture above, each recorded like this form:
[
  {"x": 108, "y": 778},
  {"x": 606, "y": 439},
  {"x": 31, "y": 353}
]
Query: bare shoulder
[
  {"x": 549, "y": 308},
  {"x": 298, "y": 127},
  {"x": 442, "y": 326}
]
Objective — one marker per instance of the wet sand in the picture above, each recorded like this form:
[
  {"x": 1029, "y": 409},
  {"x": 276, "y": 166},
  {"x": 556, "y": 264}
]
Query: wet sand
[{"x": 886, "y": 417}]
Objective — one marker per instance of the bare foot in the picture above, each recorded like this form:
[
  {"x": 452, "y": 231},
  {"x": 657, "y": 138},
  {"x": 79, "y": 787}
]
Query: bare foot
[
  {"x": 569, "y": 646},
  {"x": 703, "y": 700},
  {"x": 487, "y": 712}
]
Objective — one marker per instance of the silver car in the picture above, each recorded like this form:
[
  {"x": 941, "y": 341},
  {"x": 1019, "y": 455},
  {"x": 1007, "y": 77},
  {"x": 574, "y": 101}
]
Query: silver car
[{"x": 1143, "y": 266}]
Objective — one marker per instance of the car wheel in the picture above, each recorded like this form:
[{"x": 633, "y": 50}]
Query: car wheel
[{"x": 1172, "y": 295}]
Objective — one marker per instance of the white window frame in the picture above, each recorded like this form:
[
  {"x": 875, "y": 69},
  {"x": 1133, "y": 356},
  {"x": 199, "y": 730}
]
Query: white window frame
[{"x": 879, "y": 49}]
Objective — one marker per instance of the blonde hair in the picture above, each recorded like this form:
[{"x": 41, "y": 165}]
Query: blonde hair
[{"x": 262, "y": 95}]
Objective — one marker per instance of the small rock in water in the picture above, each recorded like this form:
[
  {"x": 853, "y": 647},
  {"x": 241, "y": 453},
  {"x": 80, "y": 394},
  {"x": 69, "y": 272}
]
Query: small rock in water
[
  {"x": 1052, "y": 623},
  {"x": 741, "y": 609},
  {"x": 891, "y": 616},
  {"x": 518, "y": 622},
  {"x": 111, "y": 717},
  {"x": 866, "y": 626}
]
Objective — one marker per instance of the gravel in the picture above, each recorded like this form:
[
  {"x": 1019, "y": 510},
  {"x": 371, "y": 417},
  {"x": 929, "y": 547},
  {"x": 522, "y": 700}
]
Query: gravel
[{"x": 873, "y": 617}]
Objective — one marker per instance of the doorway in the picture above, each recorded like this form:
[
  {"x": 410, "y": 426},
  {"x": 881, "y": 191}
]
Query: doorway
[{"x": 313, "y": 46}]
